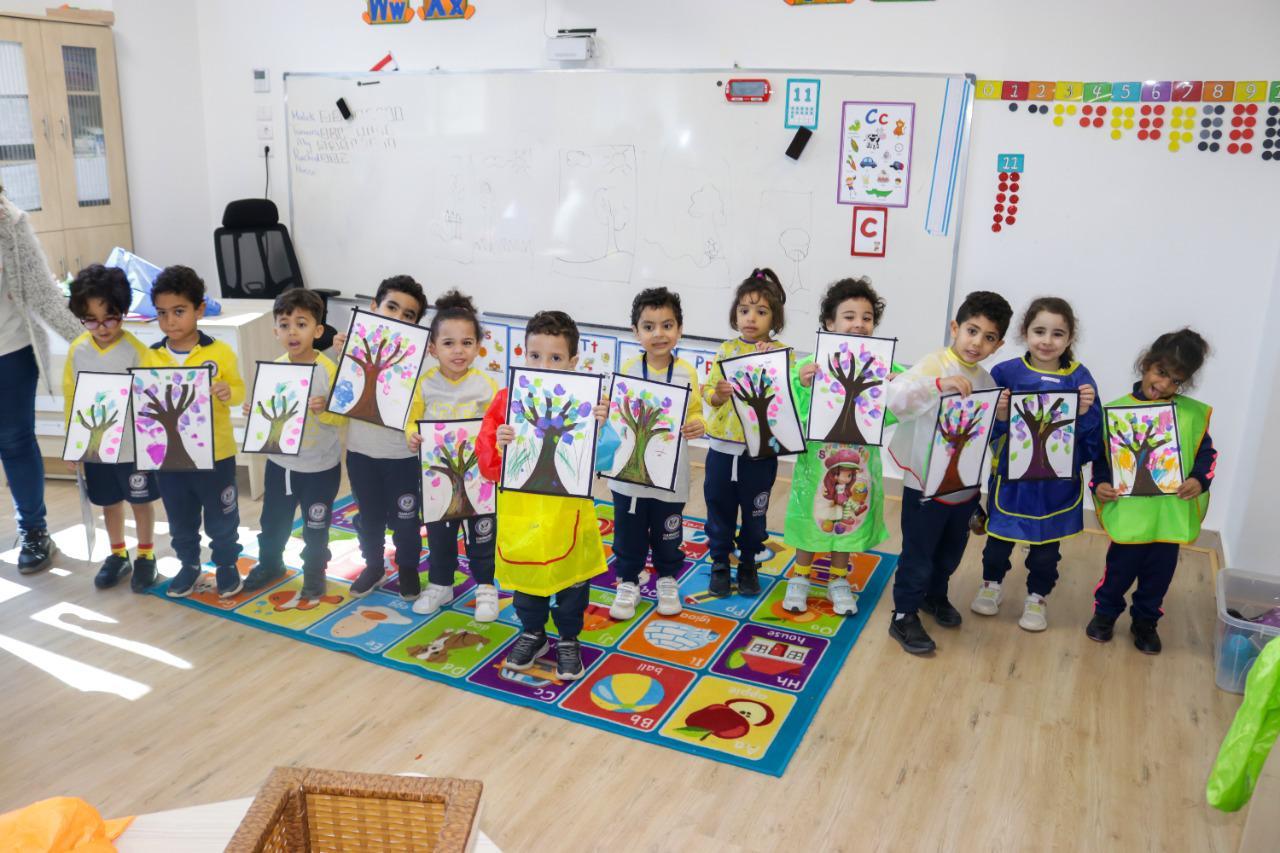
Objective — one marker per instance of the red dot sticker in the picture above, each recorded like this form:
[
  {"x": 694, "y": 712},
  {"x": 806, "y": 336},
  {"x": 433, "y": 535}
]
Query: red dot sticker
[
  {"x": 1088, "y": 110},
  {"x": 1235, "y": 134},
  {"x": 1250, "y": 121},
  {"x": 1003, "y": 186},
  {"x": 1013, "y": 208},
  {"x": 996, "y": 228},
  {"x": 1084, "y": 122},
  {"x": 999, "y": 196},
  {"x": 1158, "y": 122},
  {"x": 1146, "y": 122},
  {"x": 997, "y": 218},
  {"x": 1013, "y": 187},
  {"x": 1252, "y": 109},
  {"x": 1155, "y": 134},
  {"x": 1237, "y": 121},
  {"x": 1159, "y": 109},
  {"x": 1247, "y": 134},
  {"x": 1014, "y": 176},
  {"x": 1097, "y": 122},
  {"x": 1233, "y": 148},
  {"x": 1004, "y": 176},
  {"x": 1142, "y": 134},
  {"x": 1246, "y": 148},
  {"x": 1239, "y": 109},
  {"x": 999, "y": 208},
  {"x": 1146, "y": 109},
  {"x": 1013, "y": 199},
  {"x": 1102, "y": 111},
  {"x": 1009, "y": 221}
]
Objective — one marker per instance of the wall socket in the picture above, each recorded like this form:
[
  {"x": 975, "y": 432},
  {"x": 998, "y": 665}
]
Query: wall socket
[
  {"x": 265, "y": 131},
  {"x": 271, "y": 155}
]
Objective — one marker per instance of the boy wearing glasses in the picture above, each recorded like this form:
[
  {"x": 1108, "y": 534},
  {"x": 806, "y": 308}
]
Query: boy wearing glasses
[{"x": 100, "y": 297}]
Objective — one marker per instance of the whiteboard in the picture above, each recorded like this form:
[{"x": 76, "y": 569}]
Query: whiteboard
[{"x": 574, "y": 189}]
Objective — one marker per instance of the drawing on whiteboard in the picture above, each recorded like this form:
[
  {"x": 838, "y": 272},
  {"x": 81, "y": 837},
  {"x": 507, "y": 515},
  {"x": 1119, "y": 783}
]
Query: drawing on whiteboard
[
  {"x": 784, "y": 233},
  {"x": 689, "y": 250},
  {"x": 477, "y": 197},
  {"x": 595, "y": 221}
]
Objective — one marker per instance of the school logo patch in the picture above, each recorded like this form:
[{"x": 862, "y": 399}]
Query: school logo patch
[
  {"x": 762, "y": 500},
  {"x": 138, "y": 482},
  {"x": 228, "y": 495},
  {"x": 672, "y": 524},
  {"x": 484, "y": 526},
  {"x": 316, "y": 511},
  {"x": 405, "y": 502},
  {"x": 213, "y": 367}
]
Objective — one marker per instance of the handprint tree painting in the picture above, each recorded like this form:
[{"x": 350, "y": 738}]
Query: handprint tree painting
[
  {"x": 554, "y": 451},
  {"x": 99, "y": 412},
  {"x": 960, "y": 438},
  {"x": 1146, "y": 454},
  {"x": 278, "y": 408},
  {"x": 762, "y": 400},
  {"x": 848, "y": 389},
  {"x": 452, "y": 487},
  {"x": 379, "y": 369},
  {"x": 648, "y": 417},
  {"x": 1042, "y": 435},
  {"x": 173, "y": 418}
]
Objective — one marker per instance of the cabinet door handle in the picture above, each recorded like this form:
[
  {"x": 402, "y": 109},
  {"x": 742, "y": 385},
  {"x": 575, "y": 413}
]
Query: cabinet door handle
[
  {"x": 78, "y": 263},
  {"x": 62, "y": 262},
  {"x": 44, "y": 122},
  {"x": 62, "y": 124}
]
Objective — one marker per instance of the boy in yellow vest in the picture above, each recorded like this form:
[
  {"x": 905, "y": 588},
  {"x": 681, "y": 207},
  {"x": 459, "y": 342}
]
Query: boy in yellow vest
[{"x": 1146, "y": 531}]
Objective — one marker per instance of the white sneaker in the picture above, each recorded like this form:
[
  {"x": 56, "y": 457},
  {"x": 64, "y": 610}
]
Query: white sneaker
[
  {"x": 486, "y": 603},
  {"x": 669, "y": 597},
  {"x": 432, "y": 599},
  {"x": 1035, "y": 614},
  {"x": 987, "y": 601},
  {"x": 841, "y": 596},
  {"x": 797, "y": 598},
  {"x": 624, "y": 602}
]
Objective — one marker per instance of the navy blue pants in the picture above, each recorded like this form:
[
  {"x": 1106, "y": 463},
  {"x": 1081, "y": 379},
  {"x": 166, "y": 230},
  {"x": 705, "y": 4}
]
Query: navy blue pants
[
  {"x": 1042, "y": 564},
  {"x": 571, "y": 603},
  {"x": 442, "y": 548},
  {"x": 725, "y": 496},
  {"x": 188, "y": 493},
  {"x": 285, "y": 492},
  {"x": 386, "y": 491},
  {"x": 933, "y": 538},
  {"x": 1151, "y": 565},
  {"x": 19, "y": 452},
  {"x": 647, "y": 524}
]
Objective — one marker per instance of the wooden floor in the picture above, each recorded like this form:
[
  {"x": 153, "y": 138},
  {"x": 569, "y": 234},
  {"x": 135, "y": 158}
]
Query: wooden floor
[{"x": 1003, "y": 740}]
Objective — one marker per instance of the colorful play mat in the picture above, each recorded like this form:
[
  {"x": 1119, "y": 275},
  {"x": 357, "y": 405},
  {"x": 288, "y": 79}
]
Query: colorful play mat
[{"x": 730, "y": 679}]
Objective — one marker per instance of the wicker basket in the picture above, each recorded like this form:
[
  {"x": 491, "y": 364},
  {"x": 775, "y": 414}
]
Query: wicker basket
[{"x": 300, "y": 810}]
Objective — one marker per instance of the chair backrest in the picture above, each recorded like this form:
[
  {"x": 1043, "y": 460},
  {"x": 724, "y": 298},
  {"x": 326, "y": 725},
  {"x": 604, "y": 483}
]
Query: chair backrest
[{"x": 255, "y": 255}]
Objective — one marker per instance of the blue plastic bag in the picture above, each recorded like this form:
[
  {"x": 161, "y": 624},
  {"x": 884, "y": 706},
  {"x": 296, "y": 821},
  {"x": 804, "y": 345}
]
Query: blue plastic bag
[
  {"x": 606, "y": 447},
  {"x": 142, "y": 274}
]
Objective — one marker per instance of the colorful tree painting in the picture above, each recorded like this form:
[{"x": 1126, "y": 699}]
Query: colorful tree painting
[
  {"x": 382, "y": 357},
  {"x": 1145, "y": 453},
  {"x": 101, "y": 416},
  {"x": 851, "y": 371},
  {"x": 961, "y": 422},
  {"x": 1042, "y": 436},
  {"x": 172, "y": 405},
  {"x": 552, "y": 413},
  {"x": 762, "y": 401},
  {"x": 450, "y": 470},
  {"x": 647, "y": 414}
]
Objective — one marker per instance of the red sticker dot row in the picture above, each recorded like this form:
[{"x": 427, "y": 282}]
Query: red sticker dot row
[{"x": 1006, "y": 206}]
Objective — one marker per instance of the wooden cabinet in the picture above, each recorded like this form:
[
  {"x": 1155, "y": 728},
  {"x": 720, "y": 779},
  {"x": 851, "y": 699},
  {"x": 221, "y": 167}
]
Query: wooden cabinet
[{"x": 61, "y": 139}]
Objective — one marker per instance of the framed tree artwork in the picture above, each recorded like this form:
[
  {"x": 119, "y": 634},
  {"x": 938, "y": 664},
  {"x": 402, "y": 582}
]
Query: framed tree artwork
[
  {"x": 99, "y": 414},
  {"x": 278, "y": 408},
  {"x": 173, "y": 418},
  {"x": 378, "y": 370},
  {"x": 960, "y": 436},
  {"x": 848, "y": 390},
  {"x": 452, "y": 487},
  {"x": 648, "y": 417},
  {"x": 554, "y": 451},
  {"x": 1145, "y": 449},
  {"x": 1042, "y": 435},
  {"x": 763, "y": 403}
]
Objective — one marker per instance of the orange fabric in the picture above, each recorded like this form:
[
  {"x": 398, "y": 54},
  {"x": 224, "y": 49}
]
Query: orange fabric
[
  {"x": 487, "y": 452},
  {"x": 59, "y": 824}
]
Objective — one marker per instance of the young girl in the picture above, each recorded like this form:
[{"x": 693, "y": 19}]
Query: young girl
[
  {"x": 1037, "y": 513},
  {"x": 836, "y": 503},
  {"x": 733, "y": 480},
  {"x": 1146, "y": 531},
  {"x": 452, "y": 390}
]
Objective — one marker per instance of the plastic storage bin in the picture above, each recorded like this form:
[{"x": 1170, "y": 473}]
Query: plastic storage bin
[{"x": 1248, "y": 618}]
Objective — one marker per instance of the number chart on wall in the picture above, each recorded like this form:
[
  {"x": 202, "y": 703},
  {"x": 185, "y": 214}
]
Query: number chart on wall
[{"x": 576, "y": 189}]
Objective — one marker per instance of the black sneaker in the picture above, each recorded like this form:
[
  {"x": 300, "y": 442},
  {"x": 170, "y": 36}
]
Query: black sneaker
[
  {"x": 1101, "y": 628},
  {"x": 260, "y": 576},
  {"x": 910, "y": 634},
  {"x": 229, "y": 581},
  {"x": 942, "y": 612},
  {"x": 525, "y": 650},
  {"x": 748, "y": 579},
  {"x": 370, "y": 579},
  {"x": 1145, "y": 638},
  {"x": 978, "y": 522},
  {"x": 719, "y": 586},
  {"x": 113, "y": 569},
  {"x": 183, "y": 582},
  {"x": 144, "y": 574},
  {"x": 37, "y": 551},
  {"x": 410, "y": 584},
  {"x": 569, "y": 660}
]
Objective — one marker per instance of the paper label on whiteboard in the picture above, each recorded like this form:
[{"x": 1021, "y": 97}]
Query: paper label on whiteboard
[
  {"x": 875, "y": 153},
  {"x": 802, "y": 102}
]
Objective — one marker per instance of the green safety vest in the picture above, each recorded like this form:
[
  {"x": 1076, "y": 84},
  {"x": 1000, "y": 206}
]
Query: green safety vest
[{"x": 1166, "y": 518}]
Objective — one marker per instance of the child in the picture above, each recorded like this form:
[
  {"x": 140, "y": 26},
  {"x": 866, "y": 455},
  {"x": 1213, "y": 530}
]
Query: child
[
  {"x": 1037, "y": 513},
  {"x": 384, "y": 475},
  {"x": 310, "y": 478},
  {"x": 1146, "y": 531},
  {"x": 934, "y": 532},
  {"x": 546, "y": 545},
  {"x": 178, "y": 295},
  {"x": 733, "y": 481},
  {"x": 837, "y": 498},
  {"x": 647, "y": 518},
  {"x": 453, "y": 390},
  {"x": 100, "y": 298}
]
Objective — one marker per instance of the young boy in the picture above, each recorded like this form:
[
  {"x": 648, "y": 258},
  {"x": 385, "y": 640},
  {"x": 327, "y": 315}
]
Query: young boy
[
  {"x": 934, "y": 532},
  {"x": 546, "y": 545},
  {"x": 310, "y": 478},
  {"x": 100, "y": 298},
  {"x": 646, "y": 517},
  {"x": 178, "y": 295},
  {"x": 384, "y": 474}
]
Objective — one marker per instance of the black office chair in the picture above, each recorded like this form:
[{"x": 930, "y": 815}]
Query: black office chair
[{"x": 256, "y": 258}]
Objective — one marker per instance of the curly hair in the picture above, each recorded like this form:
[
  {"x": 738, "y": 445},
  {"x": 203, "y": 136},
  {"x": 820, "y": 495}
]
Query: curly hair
[
  {"x": 180, "y": 281},
  {"x": 402, "y": 284},
  {"x": 851, "y": 288},
  {"x": 984, "y": 303},
  {"x": 95, "y": 281},
  {"x": 455, "y": 306},
  {"x": 556, "y": 324},
  {"x": 656, "y": 297}
]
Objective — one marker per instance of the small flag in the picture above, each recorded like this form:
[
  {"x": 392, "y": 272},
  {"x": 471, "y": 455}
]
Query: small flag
[{"x": 386, "y": 63}]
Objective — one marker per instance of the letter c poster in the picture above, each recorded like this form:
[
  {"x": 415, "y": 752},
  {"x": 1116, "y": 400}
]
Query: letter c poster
[{"x": 875, "y": 153}]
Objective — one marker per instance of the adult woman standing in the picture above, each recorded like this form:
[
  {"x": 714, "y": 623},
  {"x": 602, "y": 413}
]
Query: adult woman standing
[{"x": 27, "y": 290}]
